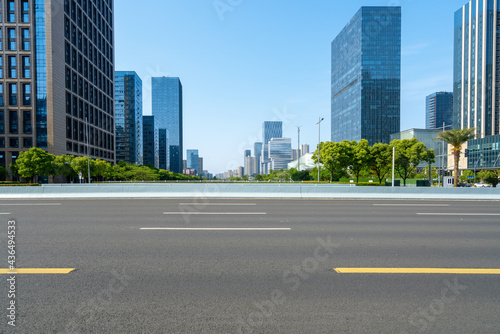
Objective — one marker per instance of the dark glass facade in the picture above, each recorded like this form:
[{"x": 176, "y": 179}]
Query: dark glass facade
[
  {"x": 167, "y": 108},
  {"x": 151, "y": 141},
  {"x": 128, "y": 117},
  {"x": 164, "y": 149},
  {"x": 484, "y": 153},
  {"x": 438, "y": 110},
  {"x": 476, "y": 84},
  {"x": 366, "y": 76},
  {"x": 193, "y": 160}
]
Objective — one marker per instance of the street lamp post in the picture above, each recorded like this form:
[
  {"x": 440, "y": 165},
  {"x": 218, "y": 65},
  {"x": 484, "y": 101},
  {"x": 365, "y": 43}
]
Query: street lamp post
[{"x": 319, "y": 144}]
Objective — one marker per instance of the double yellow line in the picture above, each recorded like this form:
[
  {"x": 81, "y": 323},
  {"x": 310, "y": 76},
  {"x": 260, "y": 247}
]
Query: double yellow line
[
  {"x": 417, "y": 271},
  {"x": 36, "y": 271}
]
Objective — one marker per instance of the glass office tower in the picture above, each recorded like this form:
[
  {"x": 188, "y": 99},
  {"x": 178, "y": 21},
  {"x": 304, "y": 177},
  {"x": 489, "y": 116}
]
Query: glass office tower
[
  {"x": 366, "y": 76},
  {"x": 151, "y": 141},
  {"x": 438, "y": 110},
  {"x": 167, "y": 108},
  {"x": 280, "y": 153},
  {"x": 57, "y": 78},
  {"x": 476, "y": 87},
  {"x": 193, "y": 160},
  {"x": 128, "y": 117}
]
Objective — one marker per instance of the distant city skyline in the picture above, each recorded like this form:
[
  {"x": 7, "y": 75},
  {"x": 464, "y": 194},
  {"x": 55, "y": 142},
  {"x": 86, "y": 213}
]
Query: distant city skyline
[{"x": 259, "y": 77}]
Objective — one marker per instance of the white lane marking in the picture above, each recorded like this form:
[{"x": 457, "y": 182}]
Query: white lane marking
[
  {"x": 425, "y": 205},
  {"x": 215, "y": 213},
  {"x": 5, "y": 213},
  {"x": 31, "y": 204},
  {"x": 459, "y": 214},
  {"x": 219, "y": 204},
  {"x": 217, "y": 229}
]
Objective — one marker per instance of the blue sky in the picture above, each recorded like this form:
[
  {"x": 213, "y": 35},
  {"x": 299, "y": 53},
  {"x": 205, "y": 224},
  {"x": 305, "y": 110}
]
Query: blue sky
[{"x": 249, "y": 61}]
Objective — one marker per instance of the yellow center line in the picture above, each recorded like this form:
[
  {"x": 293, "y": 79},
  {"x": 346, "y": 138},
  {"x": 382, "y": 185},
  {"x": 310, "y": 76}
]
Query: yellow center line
[
  {"x": 19, "y": 271},
  {"x": 456, "y": 271}
]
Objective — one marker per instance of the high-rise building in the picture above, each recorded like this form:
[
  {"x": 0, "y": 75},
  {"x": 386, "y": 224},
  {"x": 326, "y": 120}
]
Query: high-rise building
[
  {"x": 193, "y": 160},
  {"x": 200, "y": 166},
  {"x": 128, "y": 117},
  {"x": 57, "y": 89},
  {"x": 164, "y": 149},
  {"x": 151, "y": 141},
  {"x": 438, "y": 110},
  {"x": 366, "y": 76},
  {"x": 280, "y": 153},
  {"x": 270, "y": 130},
  {"x": 304, "y": 149},
  {"x": 257, "y": 150},
  {"x": 476, "y": 88},
  {"x": 167, "y": 108}
]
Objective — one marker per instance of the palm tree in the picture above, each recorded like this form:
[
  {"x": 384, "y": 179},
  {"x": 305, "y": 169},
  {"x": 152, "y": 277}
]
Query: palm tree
[{"x": 456, "y": 138}]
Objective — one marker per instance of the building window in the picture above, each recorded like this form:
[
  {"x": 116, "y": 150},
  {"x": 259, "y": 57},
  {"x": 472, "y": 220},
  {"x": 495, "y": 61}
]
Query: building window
[
  {"x": 67, "y": 52},
  {"x": 27, "y": 128},
  {"x": 28, "y": 142},
  {"x": 11, "y": 11},
  {"x": 68, "y": 128},
  {"x": 1, "y": 95},
  {"x": 26, "y": 94},
  {"x": 1, "y": 35},
  {"x": 13, "y": 122},
  {"x": 14, "y": 142},
  {"x": 67, "y": 28},
  {"x": 26, "y": 67},
  {"x": 2, "y": 122},
  {"x": 26, "y": 39},
  {"x": 68, "y": 103},
  {"x": 13, "y": 94},
  {"x": 25, "y": 11},
  {"x": 12, "y": 67},
  {"x": 1, "y": 67},
  {"x": 11, "y": 41}
]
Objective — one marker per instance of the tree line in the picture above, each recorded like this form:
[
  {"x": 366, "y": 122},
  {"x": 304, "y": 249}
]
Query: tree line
[
  {"x": 358, "y": 158},
  {"x": 36, "y": 162}
]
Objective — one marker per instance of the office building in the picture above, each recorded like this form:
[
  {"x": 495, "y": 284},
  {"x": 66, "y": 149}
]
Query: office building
[
  {"x": 270, "y": 129},
  {"x": 151, "y": 141},
  {"x": 257, "y": 150},
  {"x": 476, "y": 87},
  {"x": 200, "y": 166},
  {"x": 193, "y": 160},
  {"x": 280, "y": 153},
  {"x": 304, "y": 149},
  {"x": 366, "y": 76},
  {"x": 439, "y": 110},
  {"x": 164, "y": 149},
  {"x": 128, "y": 117},
  {"x": 57, "y": 89},
  {"x": 167, "y": 108}
]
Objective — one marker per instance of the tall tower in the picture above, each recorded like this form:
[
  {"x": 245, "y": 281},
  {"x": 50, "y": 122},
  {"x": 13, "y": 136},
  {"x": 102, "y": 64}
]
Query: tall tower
[
  {"x": 438, "y": 110},
  {"x": 167, "y": 108},
  {"x": 57, "y": 90},
  {"x": 366, "y": 76},
  {"x": 476, "y": 85},
  {"x": 128, "y": 117}
]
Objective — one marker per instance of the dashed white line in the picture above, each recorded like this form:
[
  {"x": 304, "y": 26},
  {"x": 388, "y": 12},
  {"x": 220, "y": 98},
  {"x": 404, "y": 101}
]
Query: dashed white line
[{"x": 216, "y": 229}]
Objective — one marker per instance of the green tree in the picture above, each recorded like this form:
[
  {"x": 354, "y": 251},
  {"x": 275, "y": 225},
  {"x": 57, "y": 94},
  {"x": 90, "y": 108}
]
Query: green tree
[
  {"x": 464, "y": 178},
  {"x": 409, "y": 154},
  {"x": 35, "y": 162},
  {"x": 335, "y": 157},
  {"x": 62, "y": 166},
  {"x": 360, "y": 156},
  {"x": 456, "y": 138},
  {"x": 489, "y": 176},
  {"x": 80, "y": 165},
  {"x": 380, "y": 160},
  {"x": 3, "y": 173},
  {"x": 257, "y": 177},
  {"x": 102, "y": 169}
]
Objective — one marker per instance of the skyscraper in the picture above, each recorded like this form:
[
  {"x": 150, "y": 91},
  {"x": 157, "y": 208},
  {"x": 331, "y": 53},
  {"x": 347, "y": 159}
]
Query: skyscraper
[
  {"x": 270, "y": 130},
  {"x": 438, "y": 110},
  {"x": 128, "y": 117},
  {"x": 167, "y": 108},
  {"x": 476, "y": 87},
  {"x": 193, "y": 160},
  {"x": 57, "y": 91},
  {"x": 366, "y": 76},
  {"x": 163, "y": 149},
  {"x": 280, "y": 153},
  {"x": 151, "y": 141}
]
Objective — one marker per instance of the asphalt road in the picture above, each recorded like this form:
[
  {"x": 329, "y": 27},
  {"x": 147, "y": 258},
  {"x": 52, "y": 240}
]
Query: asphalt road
[{"x": 236, "y": 279}]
